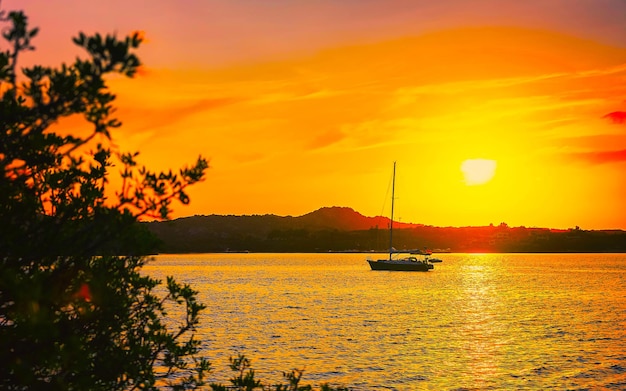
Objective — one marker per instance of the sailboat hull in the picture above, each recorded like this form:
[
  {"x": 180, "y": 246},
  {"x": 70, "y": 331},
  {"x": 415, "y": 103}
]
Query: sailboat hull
[{"x": 400, "y": 265}]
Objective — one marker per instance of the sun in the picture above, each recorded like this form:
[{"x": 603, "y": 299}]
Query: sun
[{"x": 478, "y": 171}]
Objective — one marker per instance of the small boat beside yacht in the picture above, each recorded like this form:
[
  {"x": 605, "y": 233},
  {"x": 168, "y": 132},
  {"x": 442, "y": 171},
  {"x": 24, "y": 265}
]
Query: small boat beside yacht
[{"x": 427, "y": 254}]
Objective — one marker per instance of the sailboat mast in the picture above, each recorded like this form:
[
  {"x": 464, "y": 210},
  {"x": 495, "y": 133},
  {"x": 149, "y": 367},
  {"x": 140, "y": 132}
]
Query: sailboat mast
[{"x": 393, "y": 199}]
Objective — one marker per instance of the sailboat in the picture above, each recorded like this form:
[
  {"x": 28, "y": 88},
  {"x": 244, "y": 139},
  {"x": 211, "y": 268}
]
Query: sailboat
[{"x": 411, "y": 263}]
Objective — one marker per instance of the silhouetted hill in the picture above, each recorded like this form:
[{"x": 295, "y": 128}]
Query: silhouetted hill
[
  {"x": 343, "y": 219},
  {"x": 343, "y": 229},
  {"x": 222, "y": 233}
]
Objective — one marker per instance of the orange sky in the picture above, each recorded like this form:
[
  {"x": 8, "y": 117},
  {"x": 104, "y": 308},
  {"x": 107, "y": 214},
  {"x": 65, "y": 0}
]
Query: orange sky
[{"x": 300, "y": 105}]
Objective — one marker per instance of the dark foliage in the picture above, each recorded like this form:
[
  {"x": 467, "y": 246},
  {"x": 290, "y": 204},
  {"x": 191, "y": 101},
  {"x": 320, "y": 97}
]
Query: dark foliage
[{"x": 75, "y": 312}]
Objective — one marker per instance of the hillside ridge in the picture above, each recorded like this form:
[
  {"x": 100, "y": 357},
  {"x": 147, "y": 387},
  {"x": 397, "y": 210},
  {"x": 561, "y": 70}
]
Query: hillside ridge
[{"x": 344, "y": 229}]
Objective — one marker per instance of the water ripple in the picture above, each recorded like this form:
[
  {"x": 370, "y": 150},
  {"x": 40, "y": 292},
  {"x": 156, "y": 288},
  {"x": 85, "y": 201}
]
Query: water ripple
[{"x": 477, "y": 322}]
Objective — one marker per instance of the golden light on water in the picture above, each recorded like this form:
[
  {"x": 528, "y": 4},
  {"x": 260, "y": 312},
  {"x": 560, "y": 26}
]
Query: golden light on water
[
  {"x": 478, "y": 171},
  {"x": 480, "y": 321}
]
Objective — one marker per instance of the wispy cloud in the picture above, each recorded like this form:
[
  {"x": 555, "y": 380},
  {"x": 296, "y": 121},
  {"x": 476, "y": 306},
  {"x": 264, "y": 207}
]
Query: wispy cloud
[
  {"x": 600, "y": 157},
  {"x": 166, "y": 117}
]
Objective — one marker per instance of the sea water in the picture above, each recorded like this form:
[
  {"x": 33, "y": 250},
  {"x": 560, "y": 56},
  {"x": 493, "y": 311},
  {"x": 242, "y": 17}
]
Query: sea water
[{"x": 475, "y": 322}]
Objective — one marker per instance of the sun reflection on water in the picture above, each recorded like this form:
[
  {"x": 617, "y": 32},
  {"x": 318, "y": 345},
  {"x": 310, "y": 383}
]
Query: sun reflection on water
[{"x": 491, "y": 321}]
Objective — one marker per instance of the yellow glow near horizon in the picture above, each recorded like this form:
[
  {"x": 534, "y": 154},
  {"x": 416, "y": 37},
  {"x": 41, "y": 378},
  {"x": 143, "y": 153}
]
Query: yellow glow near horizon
[{"x": 478, "y": 171}]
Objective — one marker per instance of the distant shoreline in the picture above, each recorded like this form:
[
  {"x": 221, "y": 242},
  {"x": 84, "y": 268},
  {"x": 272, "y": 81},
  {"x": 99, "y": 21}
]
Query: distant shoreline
[
  {"x": 383, "y": 252},
  {"x": 343, "y": 230}
]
